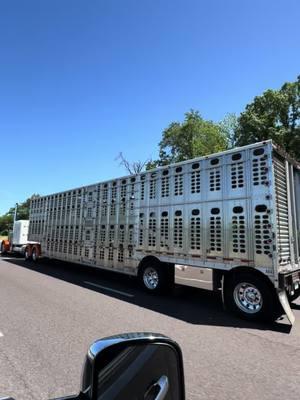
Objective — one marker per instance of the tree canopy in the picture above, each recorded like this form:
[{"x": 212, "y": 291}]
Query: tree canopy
[
  {"x": 273, "y": 115},
  {"x": 191, "y": 138}
]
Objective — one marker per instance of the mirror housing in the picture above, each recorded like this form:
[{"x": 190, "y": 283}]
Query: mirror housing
[{"x": 146, "y": 366}]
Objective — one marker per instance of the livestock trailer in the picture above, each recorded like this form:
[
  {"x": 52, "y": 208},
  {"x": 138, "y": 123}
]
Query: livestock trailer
[{"x": 228, "y": 221}]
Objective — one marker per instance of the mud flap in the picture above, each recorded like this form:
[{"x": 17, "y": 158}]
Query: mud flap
[{"x": 286, "y": 306}]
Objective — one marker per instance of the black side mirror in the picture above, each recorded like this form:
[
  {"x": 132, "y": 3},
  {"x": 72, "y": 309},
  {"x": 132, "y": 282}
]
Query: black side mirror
[{"x": 133, "y": 366}]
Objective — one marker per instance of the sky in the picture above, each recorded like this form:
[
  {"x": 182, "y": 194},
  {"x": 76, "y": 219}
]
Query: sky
[{"x": 82, "y": 80}]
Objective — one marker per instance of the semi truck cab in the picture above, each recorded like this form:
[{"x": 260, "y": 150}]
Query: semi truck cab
[{"x": 17, "y": 238}]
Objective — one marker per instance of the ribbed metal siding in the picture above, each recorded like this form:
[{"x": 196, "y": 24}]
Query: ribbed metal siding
[{"x": 281, "y": 192}]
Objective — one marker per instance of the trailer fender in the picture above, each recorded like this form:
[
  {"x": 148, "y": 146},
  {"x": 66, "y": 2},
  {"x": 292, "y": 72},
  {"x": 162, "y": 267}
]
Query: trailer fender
[{"x": 283, "y": 299}]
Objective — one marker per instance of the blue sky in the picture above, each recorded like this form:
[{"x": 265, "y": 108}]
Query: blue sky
[{"x": 82, "y": 80}]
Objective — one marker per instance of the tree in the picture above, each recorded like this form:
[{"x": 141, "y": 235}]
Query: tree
[
  {"x": 132, "y": 168},
  {"x": 229, "y": 126},
  {"x": 273, "y": 115},
  {"x": 188, "y": 139}
]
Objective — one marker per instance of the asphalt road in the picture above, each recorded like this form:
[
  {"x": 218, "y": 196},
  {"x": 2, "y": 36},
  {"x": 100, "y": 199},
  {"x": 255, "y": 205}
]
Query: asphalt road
[{"x": 51, "y": 312}]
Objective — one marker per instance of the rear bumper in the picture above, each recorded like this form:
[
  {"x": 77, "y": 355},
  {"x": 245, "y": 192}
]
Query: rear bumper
[{"x": 290, "y": 282}]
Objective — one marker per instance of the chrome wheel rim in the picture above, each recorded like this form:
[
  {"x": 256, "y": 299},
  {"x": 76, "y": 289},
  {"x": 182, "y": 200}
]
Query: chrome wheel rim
[
  {"x": 150, "y": 278},
  {"x": 26, "y": 254},
  {"x": 34, "y": 256},
  {"x": 248, "y": 298}
]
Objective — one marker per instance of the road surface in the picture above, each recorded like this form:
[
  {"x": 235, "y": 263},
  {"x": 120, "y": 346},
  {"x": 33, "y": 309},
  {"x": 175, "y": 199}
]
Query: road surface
[{"x": 51, "y": 312}]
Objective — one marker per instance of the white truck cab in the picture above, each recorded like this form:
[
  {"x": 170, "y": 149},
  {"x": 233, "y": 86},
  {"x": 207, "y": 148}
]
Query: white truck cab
[{"x": 17, "y": 239}]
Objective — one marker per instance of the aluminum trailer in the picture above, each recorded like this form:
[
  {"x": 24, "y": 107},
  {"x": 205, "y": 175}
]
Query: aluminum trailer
[{"x": 228, "y": 221}]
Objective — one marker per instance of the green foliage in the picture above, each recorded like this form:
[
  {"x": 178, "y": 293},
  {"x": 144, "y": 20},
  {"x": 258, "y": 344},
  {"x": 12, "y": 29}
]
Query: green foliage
[
  {"x": 6, "y": 220},
  {"x": 229, "y": 126},
  {"x": 192, "y": 138},
  {"x": 273, "y": 115}
]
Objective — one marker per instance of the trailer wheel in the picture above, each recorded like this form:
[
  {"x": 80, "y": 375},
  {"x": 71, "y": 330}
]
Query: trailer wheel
[
  {"x": 154, "y": 278},
  {"x": 34, "y": 255},
  {"x": 26, "y": 254},
  {"x": 250, "y": 297}
]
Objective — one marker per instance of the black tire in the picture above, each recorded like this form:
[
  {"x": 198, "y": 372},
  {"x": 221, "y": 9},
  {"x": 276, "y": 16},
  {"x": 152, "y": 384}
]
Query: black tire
[
  {"x": 161, "y": 280},
  {"x": 34, "y": 255},
  {"x": 26, "y": 254},
  {"x": 250, "y": 297}
]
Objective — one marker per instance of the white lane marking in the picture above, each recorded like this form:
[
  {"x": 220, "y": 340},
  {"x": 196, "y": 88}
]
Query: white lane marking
[
  {"x": 1, "y": 334},
  {"x": 110, "y": 289}
]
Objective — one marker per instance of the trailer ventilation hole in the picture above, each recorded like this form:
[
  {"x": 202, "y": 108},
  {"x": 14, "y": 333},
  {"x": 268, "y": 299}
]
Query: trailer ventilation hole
[
  {"x": 195, "y": 182},
  {"x": 164, "y": 229},
  {"x": 123, "y": 191},
  {"x": 143, "y": 190},
  {"x": 121, "y": 255},
  {"x": 152, "y": 230},
  {"x": 214, "y": 161},
  {"x": 215, "y": 179},
  {"x": 105, "y": 193},
  {"x": 215, "y": 211},
  {"x": 238, "y": 209},
  {"x": 263, "y": 233},
  {"x": 261, "y": 208},
  {"x": 103, "y": 234},
  {"x": 178, "y": 185},
  {"x": 195, "y": 165},
  {"x": 114, "y": 193},
  {"x": 121, "y": 234},
  {"x": 215, "y": 232},
  {"x": 110, "y": 254},
  {"x": 152, "y": 191},
  {"x": 104, "y": 210},
  {"x": 131, "y": 207},
  {"x": 111, "y": 236},
  {"x": 101, "y": 253},
  {"x": 178, "y": 170},
  {"x": 141, "y": 230},
  {"x": 238, "y": 231},
  {"x": 259, "y": 168},
  {"x": 130, "y": 239},
  {"x": 236, "y": 157},
  {"x": 258, "y": 152},
  {"x": 165, "y": 172},
  {"x": 195, "y": 230},
  {"x": 122, "y": 207},
  {"x": 165, "y": 186},
  {"x": 178, "y": 229},
  {"x": 237, "y": 175}
]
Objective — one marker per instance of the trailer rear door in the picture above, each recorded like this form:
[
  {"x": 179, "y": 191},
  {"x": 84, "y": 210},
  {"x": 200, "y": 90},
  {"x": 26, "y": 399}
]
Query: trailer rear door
[{"x": 287, "y": 195}]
